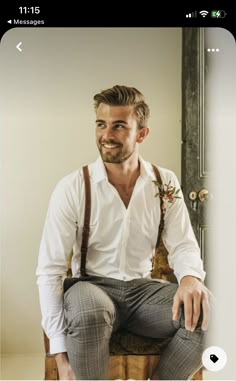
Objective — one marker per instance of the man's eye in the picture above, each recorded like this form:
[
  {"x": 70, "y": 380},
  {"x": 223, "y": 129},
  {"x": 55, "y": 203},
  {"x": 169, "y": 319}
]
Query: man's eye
[
  {"x": 119, "y": 126},
  {"x": 100, "y": 125}
]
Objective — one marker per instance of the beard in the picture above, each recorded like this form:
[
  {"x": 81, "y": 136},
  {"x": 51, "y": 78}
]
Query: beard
[{"x": 116, "y": 155}]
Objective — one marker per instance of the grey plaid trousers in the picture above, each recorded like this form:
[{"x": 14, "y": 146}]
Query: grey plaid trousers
[{"x": 95, "y": 307}]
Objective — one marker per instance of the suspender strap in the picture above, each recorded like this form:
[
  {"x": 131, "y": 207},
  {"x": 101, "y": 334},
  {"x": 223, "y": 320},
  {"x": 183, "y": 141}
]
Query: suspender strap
[
  {"x": 86, "y": 228},
  {"x": 87, "y": 214},
  {"x": 161, "y": 226}
]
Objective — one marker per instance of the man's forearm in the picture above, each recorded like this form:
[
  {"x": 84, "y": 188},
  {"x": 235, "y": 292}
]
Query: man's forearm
[{"x": 64, "y": 368}]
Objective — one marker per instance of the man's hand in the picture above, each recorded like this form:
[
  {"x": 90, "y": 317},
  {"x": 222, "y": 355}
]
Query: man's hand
[
  {"x": 64, "y": 369},
  {"x": 193, "y": 294}
]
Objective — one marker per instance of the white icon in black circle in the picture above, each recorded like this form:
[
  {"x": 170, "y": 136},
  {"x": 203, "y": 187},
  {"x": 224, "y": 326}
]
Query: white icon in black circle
[{"x": 214, "y": 359}]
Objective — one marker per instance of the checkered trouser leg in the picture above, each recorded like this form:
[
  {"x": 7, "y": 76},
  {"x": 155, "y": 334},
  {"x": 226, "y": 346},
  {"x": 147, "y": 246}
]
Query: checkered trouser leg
[
  {"x": 153, "y": 317},
  {"x": 89, "y": 315}
]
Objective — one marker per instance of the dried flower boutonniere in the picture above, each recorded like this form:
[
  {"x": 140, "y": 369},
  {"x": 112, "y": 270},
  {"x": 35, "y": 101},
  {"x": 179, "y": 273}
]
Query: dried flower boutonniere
[{"x": 167, "y": 193}]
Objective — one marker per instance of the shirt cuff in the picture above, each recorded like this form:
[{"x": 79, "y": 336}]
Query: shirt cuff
[
  {"x": 58, "y": 345},
  {"x": 201, "y": 275}
]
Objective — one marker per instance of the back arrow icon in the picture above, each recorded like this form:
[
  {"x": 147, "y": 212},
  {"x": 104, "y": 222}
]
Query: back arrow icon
[{"x": 18, "y": 46}]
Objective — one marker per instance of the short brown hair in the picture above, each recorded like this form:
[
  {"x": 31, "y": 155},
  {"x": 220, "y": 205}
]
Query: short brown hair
[{"x": 125, "y": 96}]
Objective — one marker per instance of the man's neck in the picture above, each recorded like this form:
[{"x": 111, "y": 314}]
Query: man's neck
[{"x": 124, "y": 174}]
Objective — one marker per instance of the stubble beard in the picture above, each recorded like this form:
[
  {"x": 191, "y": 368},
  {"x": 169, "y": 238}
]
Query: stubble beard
[{"x": 115, "y": 158}]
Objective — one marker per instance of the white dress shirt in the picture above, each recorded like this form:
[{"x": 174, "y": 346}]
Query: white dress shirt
[{"x": 121, "y": 242}]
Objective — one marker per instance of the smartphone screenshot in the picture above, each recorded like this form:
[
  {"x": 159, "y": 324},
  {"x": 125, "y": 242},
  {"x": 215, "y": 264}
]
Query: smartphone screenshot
[{"x": 51, "y": 67}]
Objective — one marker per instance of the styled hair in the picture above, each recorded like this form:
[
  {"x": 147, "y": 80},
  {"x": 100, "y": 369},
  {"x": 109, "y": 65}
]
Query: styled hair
[{"x": 125, "y": 96}]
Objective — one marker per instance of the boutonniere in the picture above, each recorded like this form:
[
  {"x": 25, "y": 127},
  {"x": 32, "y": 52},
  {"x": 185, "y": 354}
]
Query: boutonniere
[{"x": 167, "y": 193}]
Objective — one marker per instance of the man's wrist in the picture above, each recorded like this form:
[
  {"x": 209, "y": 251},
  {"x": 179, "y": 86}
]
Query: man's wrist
[
  {"x": 61, "y": 358},
  {"x": 191, "y": 277}
]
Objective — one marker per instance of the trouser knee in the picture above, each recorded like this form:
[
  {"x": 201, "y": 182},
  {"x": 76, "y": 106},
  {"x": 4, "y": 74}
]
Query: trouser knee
[
  {"x": 91, "y": 322},
  {"x": 88, "y": 311}
]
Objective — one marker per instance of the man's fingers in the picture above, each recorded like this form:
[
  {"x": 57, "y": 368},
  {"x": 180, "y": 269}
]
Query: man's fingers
[
  {"x": 176, "y": 308},
  {"x": 194, "y": 301},
  {"x": 196, "y": 309},
  {"x": 188, "y": 311},
  {"x": 206, "y": 312}
]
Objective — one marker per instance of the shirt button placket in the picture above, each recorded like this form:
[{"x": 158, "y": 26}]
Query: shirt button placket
[{"x": 124, "y": 243}]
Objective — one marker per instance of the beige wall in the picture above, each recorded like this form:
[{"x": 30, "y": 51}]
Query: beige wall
[
  {"x": 220, "y": 119},
  {"x": 47, "y": 131}
]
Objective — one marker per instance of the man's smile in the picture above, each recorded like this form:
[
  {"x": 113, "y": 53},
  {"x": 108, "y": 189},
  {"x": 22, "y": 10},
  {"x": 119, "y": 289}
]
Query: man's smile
[{"x": 110, "y": 146}]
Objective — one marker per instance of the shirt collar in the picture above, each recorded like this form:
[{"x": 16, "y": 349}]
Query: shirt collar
[
  {"x": 146, "y": 170},
  {"x": 98, "y": 170}
]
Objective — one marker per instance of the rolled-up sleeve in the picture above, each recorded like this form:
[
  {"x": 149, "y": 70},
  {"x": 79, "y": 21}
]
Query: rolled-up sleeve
[{"x": 179, "y": 239}]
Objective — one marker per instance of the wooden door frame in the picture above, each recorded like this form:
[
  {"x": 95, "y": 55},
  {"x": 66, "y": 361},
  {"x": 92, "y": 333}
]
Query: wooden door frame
[{"x": 193, "y": 118}]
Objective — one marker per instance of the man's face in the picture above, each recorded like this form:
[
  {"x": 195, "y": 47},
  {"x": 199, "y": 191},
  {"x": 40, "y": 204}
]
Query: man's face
[{"x": 116, "y": 132}]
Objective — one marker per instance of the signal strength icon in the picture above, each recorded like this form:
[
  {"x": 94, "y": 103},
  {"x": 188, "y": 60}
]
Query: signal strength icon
[
  {"x": 192, "y": 14},
  {"x": 203, "y": 13}
]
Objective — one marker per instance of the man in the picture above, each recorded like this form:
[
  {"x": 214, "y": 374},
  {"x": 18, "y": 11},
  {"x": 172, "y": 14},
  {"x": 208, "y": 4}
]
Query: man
[{"x": 119, "y": 291}]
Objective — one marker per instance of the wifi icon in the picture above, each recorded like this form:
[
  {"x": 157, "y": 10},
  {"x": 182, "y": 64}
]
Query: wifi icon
[{"x": 203, "y": 13}]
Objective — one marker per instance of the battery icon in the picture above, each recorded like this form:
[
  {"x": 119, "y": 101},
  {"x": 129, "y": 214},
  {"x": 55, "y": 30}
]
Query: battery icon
[{"x": 218, "y": 14}]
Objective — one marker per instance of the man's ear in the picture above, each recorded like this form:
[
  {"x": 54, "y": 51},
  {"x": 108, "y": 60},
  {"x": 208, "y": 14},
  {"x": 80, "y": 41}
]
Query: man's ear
[{"x": 142, "y": 133}]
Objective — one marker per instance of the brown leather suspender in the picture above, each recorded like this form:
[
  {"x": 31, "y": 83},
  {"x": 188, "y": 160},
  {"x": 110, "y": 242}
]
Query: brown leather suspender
[
  {"x": 161, "y": 225},
  {"x": 87, "y": 213},
  {"x": 86, "y": 228}
]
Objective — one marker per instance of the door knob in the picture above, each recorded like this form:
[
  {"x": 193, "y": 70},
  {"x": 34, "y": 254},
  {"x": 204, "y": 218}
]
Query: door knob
[
  {"x": 203, "y": 195},
  {"x": 192, "y": 196}
]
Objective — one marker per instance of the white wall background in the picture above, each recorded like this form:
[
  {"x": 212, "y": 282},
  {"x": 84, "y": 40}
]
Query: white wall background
[
  {"x": 220, "y": 119},
  {"x": 47, "y": 131}
]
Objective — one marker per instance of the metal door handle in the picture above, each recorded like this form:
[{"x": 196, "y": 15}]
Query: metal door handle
[
  {"x": 203, "y": 195},
  {"x": 192, "y": 196}
]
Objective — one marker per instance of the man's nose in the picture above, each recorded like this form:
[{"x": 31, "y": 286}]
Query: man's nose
[{"x": 108, "y": 133}]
